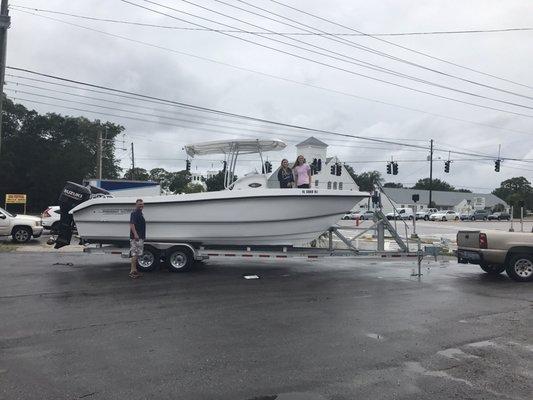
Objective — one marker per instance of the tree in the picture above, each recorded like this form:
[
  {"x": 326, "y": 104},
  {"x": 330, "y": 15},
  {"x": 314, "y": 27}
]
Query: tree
[
  {"x": 516, "y": 191},
  {"x": 137, "y": 174},
  {"x": 393, "y": 185},
  {"x": 365, "y": 180},
  {"x": 41, "y": 152},
  {"x": 464, "y": 191},
  {"x": 178, "y": 181},
  {"x": 499, "y": 207},
  {"x": 216, "y": 182},
  {"x": 194, "y": 188},
  {"x": 437, "y": 184},
  {"x": 159, "y": 175}
]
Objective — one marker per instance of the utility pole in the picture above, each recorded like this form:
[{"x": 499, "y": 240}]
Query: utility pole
[
  {"x": 430, "y": 173},
  {"x": 99, "y": 152},
  {"x": 5, "y": 21},
  {"x": 132, "y": 162}
]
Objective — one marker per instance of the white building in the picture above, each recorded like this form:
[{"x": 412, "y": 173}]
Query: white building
[
  {"x": 311, "y": 149},
  {"x": 456, "y": 201}
]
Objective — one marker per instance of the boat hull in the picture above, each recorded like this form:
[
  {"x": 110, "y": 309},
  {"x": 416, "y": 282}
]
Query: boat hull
[{"x": 244, "y": 217}]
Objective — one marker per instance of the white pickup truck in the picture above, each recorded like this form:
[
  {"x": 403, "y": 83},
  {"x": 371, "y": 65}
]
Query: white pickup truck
[
  {"x": 20, "y": 227},
  {"x": 498, "y": 251}
]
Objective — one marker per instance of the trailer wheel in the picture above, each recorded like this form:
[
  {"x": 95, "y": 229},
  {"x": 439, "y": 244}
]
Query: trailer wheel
[
  {"x": 150, "y": 259},
  {"x": 492, "y": 269},
  {"x": 179, "y": 259},
  {"x": 520, "y": 267}
]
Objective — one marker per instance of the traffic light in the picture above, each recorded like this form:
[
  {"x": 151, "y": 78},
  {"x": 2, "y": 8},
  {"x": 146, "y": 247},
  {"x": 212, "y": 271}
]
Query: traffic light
[
  {"x": 338, "y": 169},
  {"x": 497, "y": 165},
  {"x": 389, "y": 168},
  {"x": 447, "y": 166},
  {"x": 333, "y": 169},
  {"x": 394, "y": 168},
  {"x": 188, "y": 166},
  {"x": 224, "y": 165},
  {"x": 268, "y": 167}
]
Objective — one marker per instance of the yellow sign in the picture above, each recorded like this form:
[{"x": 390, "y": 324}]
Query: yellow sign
[{"x": 15, "y": 199}]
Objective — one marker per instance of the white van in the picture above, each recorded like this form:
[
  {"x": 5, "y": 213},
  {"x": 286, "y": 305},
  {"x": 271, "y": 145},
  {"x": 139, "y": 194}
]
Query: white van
[{"x": 401, "y": 213}]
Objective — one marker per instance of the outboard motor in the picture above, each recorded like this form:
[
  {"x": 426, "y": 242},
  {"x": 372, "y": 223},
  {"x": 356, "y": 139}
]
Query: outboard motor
[{"x": 72, "y": 195}]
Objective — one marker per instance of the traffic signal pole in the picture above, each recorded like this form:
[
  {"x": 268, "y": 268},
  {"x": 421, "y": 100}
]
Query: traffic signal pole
[{"x": 430, "y": 172}]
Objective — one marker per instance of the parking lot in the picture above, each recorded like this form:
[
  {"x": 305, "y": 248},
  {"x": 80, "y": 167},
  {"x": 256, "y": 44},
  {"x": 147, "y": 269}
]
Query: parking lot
[{"x": 74, "y": 326}]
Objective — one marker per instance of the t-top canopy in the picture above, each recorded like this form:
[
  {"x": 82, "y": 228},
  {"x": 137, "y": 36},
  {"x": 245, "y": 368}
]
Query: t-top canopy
[{"x": 248, "y": 146}]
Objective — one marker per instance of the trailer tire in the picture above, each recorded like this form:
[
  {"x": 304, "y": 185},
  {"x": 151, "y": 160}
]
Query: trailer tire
[
  {"x": 150, "y": 259},
  {"x": 492, "y": 269},
  {"x": 179, "y": 259},
  {"x": 520, "y": 267}
]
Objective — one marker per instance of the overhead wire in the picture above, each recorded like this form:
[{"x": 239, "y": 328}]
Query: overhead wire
[
  {"x": 398, "y": 45},
  {"x": 220, "y": 112},
  {"x": 286, "y": 79},
  {"x": 186, "y": 28},
  {"x": 334, "y": 66},
  {"x": 362, "y": 47}
]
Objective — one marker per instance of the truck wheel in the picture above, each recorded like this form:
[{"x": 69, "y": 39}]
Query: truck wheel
[
  {"x": 444, "y": 218},
  {"x": 21, "y": 234},
  {"x": 426, "y": 217},
  {"x": 150, "y": 259},
  {"x": 485, "y": 218},
  {"x": 492, "y": 269},
  {"x": 520, "y": 267},
  {"x": 179, "y": 259},
  {"x": 472, "y": 218}
]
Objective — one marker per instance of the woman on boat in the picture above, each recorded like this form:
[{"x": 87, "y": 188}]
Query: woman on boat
[
  {"x": 302, "y": 173},
  {"x": 285, "y": 176}
]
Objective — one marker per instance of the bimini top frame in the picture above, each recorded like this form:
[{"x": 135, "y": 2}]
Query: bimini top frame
[{"x": 231, "y": 149}]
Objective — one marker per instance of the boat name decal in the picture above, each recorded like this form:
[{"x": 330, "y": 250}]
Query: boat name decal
[
  {"x": 309, "y": 191},
  {"x": 116, "y": 211}
]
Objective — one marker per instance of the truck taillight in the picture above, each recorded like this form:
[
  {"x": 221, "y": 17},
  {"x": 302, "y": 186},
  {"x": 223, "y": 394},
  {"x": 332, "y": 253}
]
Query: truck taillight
[
  {"x": 482, "y": 241},
  {"x": 45, "y": 213}
]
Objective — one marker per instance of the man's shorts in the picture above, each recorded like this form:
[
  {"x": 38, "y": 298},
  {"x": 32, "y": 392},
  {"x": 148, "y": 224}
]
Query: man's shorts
[{"x": 136, "y": 247}]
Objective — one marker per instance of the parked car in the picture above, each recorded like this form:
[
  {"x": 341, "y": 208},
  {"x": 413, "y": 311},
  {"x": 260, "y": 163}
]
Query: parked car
[
  {"x": 500, "y": 216},
  {"x": 480, "y": 215},
  {"x": 401, "y": 213},
  {"x": 425, "y": 214},
  {"x": 20, "y": 227},
  {"x": 366, "y": 215},
  {"x": 498, "y": 251},
  {"x": 444, "y": 215},
  {"x": 466, "y": 215},
  {"x": 50, "y": 218},
  {"x": 350, "y": 215}
]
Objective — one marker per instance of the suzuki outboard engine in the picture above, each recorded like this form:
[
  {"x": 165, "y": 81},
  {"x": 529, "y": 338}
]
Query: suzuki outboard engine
[{"x": 72, "y": 195}]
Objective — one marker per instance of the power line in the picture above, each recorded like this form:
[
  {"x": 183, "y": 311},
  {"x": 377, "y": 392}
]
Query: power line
[
  {"x": 185, "y": 28},
  {"x": 359, "y": 47},
  {"x": 399, "y": 46},
  {"x": 299, "y": 56},
  {"x": 219, "y": 112},
  {"x": 287, "y": 79},
  {"x": 330, "y": 65}
]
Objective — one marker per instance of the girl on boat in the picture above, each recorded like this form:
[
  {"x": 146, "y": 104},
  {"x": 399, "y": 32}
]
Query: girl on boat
[
  {"x": 302, "y": 173},
  {"x": 285, "y": 176}
]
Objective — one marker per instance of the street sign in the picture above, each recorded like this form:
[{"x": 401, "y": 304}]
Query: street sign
[{"x": 15, "y": 199}]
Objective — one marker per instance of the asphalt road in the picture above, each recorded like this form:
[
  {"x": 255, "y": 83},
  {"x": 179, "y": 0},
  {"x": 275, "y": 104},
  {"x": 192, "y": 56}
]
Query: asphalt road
[{"x": 325, "y": 329}]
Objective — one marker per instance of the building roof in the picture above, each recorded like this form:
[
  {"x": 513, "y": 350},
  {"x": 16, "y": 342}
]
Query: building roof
[
  {"x": 312, "y": 141},
  {"x": 440, "y": 198}
]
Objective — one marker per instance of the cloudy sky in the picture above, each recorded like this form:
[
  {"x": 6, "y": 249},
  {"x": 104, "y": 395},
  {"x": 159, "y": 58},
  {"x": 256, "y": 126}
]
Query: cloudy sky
[{"x": 390, "y": 87}]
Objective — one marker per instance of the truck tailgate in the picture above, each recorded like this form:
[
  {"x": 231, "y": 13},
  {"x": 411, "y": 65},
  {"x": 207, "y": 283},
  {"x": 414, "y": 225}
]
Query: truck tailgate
[{"x": 468, "y": 239}]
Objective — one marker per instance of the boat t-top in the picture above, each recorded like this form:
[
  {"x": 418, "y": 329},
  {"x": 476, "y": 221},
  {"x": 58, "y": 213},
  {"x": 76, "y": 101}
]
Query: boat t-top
[{"x": 247, "y": 212}]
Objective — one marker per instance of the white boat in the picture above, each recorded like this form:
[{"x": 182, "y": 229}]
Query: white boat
[{"x": 246, "y": 213}]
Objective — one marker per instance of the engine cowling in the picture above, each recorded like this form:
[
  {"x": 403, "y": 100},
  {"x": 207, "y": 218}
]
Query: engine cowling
[{"x": 71, "y": 195}]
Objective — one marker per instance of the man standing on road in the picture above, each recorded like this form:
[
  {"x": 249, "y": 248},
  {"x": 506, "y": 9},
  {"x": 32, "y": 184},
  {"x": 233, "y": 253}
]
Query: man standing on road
[{"x": 137, "y": 236}]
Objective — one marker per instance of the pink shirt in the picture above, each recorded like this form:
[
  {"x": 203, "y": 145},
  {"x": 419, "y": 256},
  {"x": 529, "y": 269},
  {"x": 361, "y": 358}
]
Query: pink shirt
[{"x": 301, "y": 174}]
